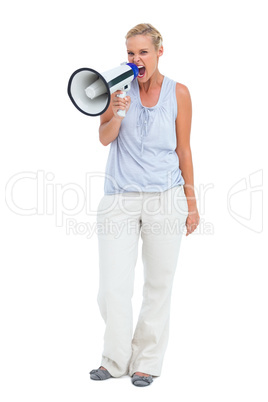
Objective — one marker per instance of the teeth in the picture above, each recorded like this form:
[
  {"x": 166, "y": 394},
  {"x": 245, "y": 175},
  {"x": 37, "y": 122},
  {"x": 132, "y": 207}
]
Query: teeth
[{"x": 143, "y": 73}]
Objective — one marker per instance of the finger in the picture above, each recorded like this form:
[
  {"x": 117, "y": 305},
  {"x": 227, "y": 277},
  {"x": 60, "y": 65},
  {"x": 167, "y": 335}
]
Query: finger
[
  {"x": 119, "y": 102},
  {"x": 119, "y": 99},
  {"x": 187, "y": 229},
  {"x": 120, "y": 105},
  {"x": 190, "y": 228}
]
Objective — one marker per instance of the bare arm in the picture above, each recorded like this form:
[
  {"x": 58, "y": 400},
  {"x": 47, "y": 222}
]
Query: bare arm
[
  {"x": 110, "y": 122},
  {"x": 183, "y": 130}
]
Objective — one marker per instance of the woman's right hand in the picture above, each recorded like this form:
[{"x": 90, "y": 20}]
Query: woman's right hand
[{"x": 119, "y": 104}]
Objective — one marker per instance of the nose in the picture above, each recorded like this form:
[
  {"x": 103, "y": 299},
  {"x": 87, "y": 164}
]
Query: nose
[{"x": 136, "y": 58}]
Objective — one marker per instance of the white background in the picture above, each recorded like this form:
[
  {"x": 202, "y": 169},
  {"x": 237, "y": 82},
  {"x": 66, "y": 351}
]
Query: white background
[{"x": 52, "y": 332}]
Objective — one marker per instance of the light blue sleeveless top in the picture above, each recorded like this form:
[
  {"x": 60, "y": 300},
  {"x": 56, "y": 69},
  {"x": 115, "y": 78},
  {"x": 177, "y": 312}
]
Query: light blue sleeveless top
[{"x": 143, "y": 156}]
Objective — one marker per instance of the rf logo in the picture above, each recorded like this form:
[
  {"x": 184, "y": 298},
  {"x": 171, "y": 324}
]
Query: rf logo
[{"x": 245, "y": 201}]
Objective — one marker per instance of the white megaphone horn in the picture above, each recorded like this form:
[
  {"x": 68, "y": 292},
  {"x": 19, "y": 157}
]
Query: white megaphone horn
[{"x": 90, "y": 91}]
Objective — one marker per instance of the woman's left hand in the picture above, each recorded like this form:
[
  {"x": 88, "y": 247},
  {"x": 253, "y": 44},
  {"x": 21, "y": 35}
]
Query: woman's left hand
[{"x": 192, "y": 220}]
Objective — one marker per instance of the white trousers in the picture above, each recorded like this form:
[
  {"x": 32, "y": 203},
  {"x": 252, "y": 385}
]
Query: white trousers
[{"x": 160, "y": 219}]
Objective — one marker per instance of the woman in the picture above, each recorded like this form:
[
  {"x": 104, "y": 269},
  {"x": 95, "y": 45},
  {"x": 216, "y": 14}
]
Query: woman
[{"x": 149, "y": 190}]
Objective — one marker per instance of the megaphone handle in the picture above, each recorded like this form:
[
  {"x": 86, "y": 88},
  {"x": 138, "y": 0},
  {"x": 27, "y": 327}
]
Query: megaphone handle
[{"x": 122, "y": 113}]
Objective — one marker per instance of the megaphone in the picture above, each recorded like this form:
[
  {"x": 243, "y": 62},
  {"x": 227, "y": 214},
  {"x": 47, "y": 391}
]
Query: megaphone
[{"x": 90, "y": 91}]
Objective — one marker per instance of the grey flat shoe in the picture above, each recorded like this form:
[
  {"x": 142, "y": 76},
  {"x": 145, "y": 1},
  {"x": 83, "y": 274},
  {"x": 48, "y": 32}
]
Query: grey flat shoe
[
  {"x": 100, "y": 374},
  {"x": 141, "y": 381}
]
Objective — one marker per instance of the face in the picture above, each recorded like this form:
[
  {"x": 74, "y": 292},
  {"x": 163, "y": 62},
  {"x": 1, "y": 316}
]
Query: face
[{"x": 141, "y": 51}]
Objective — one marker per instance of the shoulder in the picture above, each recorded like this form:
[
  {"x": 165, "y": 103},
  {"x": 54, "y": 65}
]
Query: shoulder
[
  {"x": 182, "y": 92},
  {"x": 183, "y": 96}
]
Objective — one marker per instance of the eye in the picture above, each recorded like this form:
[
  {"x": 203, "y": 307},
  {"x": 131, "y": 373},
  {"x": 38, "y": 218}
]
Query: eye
[
  {"x": 130, "y": 53},
  {"x": 144, "y": 52}
]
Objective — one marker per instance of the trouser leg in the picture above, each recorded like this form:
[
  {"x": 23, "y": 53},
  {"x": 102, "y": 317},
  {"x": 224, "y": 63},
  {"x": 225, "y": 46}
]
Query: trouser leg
[
  {"x": 118, "y": 249},
  {"x": 161, "y": 234}
]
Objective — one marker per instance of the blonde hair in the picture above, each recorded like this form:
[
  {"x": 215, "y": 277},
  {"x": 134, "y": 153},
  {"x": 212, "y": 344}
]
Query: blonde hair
[{"x": 147, "y": 29}]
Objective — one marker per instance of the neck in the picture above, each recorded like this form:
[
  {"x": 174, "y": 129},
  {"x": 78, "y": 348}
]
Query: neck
[{"x": 153, "y": 82}]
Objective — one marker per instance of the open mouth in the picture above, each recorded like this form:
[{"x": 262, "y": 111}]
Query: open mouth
[{"x": 141, "y": 71}]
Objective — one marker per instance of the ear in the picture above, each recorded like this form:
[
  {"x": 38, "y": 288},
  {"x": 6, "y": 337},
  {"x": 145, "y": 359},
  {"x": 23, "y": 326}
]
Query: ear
[{"x": 160, "y": 51}]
